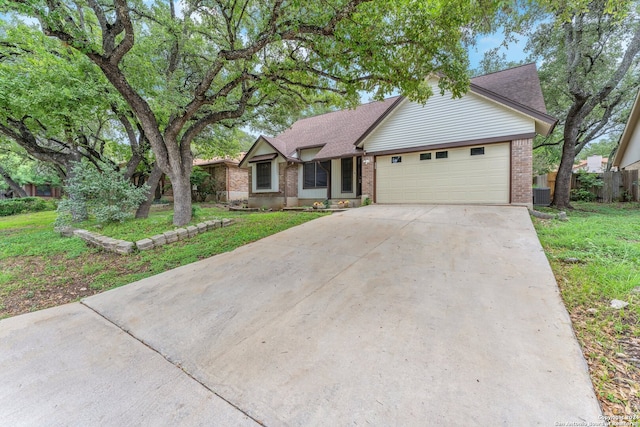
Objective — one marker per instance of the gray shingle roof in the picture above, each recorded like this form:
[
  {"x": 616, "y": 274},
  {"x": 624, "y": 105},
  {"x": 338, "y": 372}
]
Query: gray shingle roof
[
  {"x": 520, "y": 84},
  {"x": 335, "y": 132}
]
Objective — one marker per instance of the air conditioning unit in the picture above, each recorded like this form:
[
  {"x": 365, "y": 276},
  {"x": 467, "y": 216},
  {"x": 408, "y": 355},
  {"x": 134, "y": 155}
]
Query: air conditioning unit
[{"x": 541, "y": 196}]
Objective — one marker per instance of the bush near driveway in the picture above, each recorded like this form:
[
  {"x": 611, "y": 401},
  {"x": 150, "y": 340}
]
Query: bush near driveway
[
  {"x": 595, "y": 257},
  {"x": 40, "y": 269}
]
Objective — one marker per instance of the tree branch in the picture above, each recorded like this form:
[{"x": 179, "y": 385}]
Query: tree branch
[
  {"x": 548, "y": 144},
  {"x": 218, "y": 116},
  {"x": 627, "y": 60}
]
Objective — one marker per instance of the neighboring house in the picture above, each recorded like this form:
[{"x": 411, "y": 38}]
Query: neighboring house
[
  {"x": 593, "y": 164},
  {"x": 231, "y": 181},
  {"x": 474, "y": 149},
  {"x": 43, "y": 190},
  {"x": 628, "y": 153}
]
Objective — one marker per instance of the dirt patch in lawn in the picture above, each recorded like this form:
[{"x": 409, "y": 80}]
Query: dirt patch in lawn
[
  {"x": 614, "y": 361},
  {"x": 39, "y": 283}
]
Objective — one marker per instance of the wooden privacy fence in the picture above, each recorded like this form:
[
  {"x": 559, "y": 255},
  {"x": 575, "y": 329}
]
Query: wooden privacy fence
[
  {"x": 547, "y": 180},
  {"x": 620, "y": 186}
]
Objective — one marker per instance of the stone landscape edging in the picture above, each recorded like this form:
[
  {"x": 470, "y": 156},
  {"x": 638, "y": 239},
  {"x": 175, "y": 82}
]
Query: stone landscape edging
[{"x": 124, "y": 247}]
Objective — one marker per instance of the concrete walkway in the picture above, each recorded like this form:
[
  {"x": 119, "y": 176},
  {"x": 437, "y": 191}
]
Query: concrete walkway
[{"x": 383, "y": 315}]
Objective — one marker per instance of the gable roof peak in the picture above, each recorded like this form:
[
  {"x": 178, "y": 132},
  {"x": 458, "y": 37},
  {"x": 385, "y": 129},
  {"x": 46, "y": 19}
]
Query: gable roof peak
[
  {"x": 528, "y": 64},
  {"x": 520, "y": 84}
]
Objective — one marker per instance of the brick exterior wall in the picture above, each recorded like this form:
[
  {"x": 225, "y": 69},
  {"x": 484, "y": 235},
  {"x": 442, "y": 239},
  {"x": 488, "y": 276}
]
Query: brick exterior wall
[
  {"x": 219, "y": 174},
  {"x": 282, "y": 177},
  {"x": 250, "y": 173},
  {"x": 238, "y": 179},
  {"x": 368, "y": 171},
  {"x": 292, "y": 180},
  {"x": 522, "y": 172}
]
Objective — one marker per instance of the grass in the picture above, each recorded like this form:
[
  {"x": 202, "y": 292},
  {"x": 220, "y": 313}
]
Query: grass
[
  {"x": 40, "y": 269},
  {"x": 159, "y": 221},
  {"x": 595, "y": 257},
  {"x": 32, "y": 234}
]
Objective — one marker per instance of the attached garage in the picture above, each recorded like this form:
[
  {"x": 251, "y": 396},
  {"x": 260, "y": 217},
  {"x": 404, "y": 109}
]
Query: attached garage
[{"x": 472, "y": 174}]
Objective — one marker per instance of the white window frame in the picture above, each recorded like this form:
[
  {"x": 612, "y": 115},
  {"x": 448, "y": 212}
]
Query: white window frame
[{"x": 275, "y": 185}]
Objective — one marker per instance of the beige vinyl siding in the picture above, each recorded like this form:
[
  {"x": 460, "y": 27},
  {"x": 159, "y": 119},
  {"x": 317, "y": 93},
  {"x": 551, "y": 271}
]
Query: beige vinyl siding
[
  {"x": 309, "y": 154},
  {"x": 263, "y": 148},
  {"x": 444, "y": 120},
  {"x": 460, "y": 178},
  {"x": 632, "y": 153}
]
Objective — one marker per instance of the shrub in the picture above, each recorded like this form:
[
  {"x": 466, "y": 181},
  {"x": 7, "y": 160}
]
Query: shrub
[
  {"x": 582, "y": 195},
  {"x": 588, "y": 183},
  {"x": 106, "y": 195},
  {"x": 25, "y": 205},
  {"x": 203, "y": 185}
]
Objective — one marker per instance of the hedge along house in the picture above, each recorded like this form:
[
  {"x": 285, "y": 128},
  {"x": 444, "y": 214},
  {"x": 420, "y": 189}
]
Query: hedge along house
[{"x": 475, "y": 149}]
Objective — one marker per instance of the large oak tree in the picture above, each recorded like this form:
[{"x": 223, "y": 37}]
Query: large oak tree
[
  {"x": 59, "y": 108},
  {"x": 590, "y": 73},
  {"x": 184, "y": 67}
]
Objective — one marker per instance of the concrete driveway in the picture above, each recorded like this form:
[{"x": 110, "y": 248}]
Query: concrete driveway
[{"x": 383, "y": 315}]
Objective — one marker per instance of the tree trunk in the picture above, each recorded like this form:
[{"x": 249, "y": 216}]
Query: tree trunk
[
  {"x": 132, "y": 164},
  {"x": 17, "y": 190},
  {"x": 79, "y": 207},
  {"x": 181, "y": 199},
  {"x": 154, "y": 179},
  {"x": 562, "y": 190}
]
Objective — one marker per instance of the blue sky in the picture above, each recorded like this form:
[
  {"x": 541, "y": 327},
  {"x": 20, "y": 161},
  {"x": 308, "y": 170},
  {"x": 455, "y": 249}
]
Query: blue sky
[{"x": 514, "y": 52}]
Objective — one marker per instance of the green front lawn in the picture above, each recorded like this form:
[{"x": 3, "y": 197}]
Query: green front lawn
[
  {"x": 160, "y": 220},
  {"x": 40, "y": 269},
  {"x": 595, "y": 257}
]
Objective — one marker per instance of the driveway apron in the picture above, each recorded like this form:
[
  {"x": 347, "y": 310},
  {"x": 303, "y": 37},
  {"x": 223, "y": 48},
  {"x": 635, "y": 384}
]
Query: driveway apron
[{"x": 382, "y": 315}]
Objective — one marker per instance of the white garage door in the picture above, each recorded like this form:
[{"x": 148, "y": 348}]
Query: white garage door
[{"x": 477, "y": 174}]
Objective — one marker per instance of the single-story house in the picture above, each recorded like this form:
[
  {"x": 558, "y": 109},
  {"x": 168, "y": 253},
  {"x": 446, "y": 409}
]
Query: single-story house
[
  {"x": 473, "y": 149},
  {"x": 47, "y": 191},
  {"x": 232, "y": 182},
  {"x": 628, "y": 153},
  {"x": 593, "y": 164}
]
